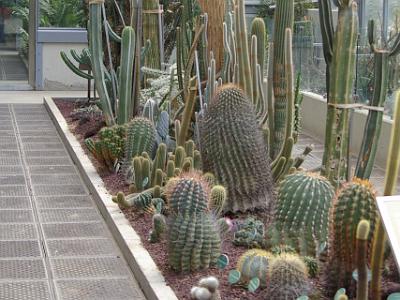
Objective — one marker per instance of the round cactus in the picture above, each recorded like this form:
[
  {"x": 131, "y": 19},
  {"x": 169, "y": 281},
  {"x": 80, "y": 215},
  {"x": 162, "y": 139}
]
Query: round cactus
[
  {"x": 288, "y": 278},
  {"x": 304, "y": 202},
  {"x": 255, "y": 263},
  {"x": 234, "y": 150},
  {"x": 217, "y": 199}
]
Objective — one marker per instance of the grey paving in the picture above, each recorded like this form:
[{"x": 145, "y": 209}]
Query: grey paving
[{"x": 54, "y": 243}]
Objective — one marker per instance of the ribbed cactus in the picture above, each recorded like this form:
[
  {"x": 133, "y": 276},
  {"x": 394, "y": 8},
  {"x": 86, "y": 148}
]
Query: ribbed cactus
[
  {"x": 234, "y": 150},
  {"x": 304, "y": 202},
  {"x": 193, "y": 242},
  {"x": 151, "y": 31},
  {"x": 258, "y": 29},
  {"x": 217, "y": 199},
  {"x": 288, "y": 278},
  {"x": 340, "y": 56},
  {"x": 141, "y": 136},
  {"x": 255, "y": 263},
  {"x": 354, "y": 202},
  {"x": 159, "y": 226},
  {"x": 362, "y": 261}
]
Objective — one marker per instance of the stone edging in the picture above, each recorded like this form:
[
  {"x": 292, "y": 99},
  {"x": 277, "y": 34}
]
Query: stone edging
[{"x": 139, "y": 260}]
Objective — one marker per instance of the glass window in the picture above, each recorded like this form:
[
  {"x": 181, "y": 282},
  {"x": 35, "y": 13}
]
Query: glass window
[{"x": 62, "y": 13}]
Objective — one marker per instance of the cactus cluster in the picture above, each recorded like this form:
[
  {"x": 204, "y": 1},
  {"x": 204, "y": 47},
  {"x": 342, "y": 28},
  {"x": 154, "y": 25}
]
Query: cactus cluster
[
  {"x": 108, "y": 149},
  {"x": 206, "y": 289},
  {"x": 193, "y": 240},
  {"x": 233, "y": 149},
  {"x": 250, "y": 233},
  {"x": 304, "y": 202}
]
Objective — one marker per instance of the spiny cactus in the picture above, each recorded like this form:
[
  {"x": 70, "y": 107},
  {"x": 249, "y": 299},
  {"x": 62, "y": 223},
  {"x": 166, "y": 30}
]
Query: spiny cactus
[
  {"x": 233, "y": 149},
  {"x": 140, "y": 138},
  {"x": 250, "y": 233},
  {"x": 362, "y": 267},
  {"x": 159, "y": 226},
  {"x": 304, "y": 202},
  {"x": 288, "y": 278},
  {"x": 207, "y": 289},
  {"x": 217, "y": 199},
  {"x": 354, "y": 202},
  {"x": 193, "y": 242},
  {"x": 254, "y": 263}
]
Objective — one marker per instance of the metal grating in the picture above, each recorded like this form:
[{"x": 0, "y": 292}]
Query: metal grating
[
  {"x": 99, "y": 289},
  {"x": 48, "y": 161},
  {"x": 11, "y": 170},
  {"x": 6, "y": 127},
  {"x": 14, "y": 203},
  {"x": 37, "y": 116},
  {"x": 16, "y": 216},
  {"x": 22, "y": 269},
  {"x": 12, "y": 179},
  {"x": 54, "y": 179},
  {"x": 10, "y": 161},
  {"x": 35, "y": 123},
  {"x": 64, "y": 202},
  {"x": 74, "y": 230},
  {"x": 88, "y": 267},
  {"x": 43, "y": 139},
  {"x": 42, "y": 146},
  {"x": 39, "y": 133},
  {"x": 10, "y": 146},
  {"x": 24, "y": 290},
  {"x": 13, "y": 190},
  {"x": 52, "y": 170},
  {"x": 19, "y": 249},
  {"x": 9, "y": 153},
  {"x": 44, "y": 153},
  {"x": 82, "y": 247},
  {"x": 58, "y": 190},
  {"x": 18, "y": 232},
  {"x": 69, "y": 215},
  {"x": 7, "y": 140}
]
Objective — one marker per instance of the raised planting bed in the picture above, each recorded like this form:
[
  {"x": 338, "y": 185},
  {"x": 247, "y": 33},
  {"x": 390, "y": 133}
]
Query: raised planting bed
[{"x": 149, "y": 261}]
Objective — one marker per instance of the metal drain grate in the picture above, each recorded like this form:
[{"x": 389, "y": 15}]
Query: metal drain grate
[
  {"x": 42, "y": 146},
  {"x": 13, "y": 190},
  {"x": 10, "y": 161},
  {"x": 52, "y": 170},
  {"x": 104, "y": 289},
  {"x": 19, "y": 249},
  {"x": 18, "y": 232},
  {"x": 39, "y": 133},
  {"x": 86, "y": 247},
  {"x": 11, "y": 170},
  {"x": 9, "y": 153},
  {"x": 14, "y": 203},
  {"x": 12, "y": 179},
  {"x": 54, "y": 179},
  {"x": 88, "y": 267},
  {"x": 46, "y": 139},
  {"x": 69, "y": 215},
  {"x": 50, "y": 154},
  {"x": 10, "y": 146},
  {"x": 22, "y": 269},
  {"x": 16, "y": 216},
  {"x": 49, "y": 190},
  {"x": 24, "y": 290},
  {"x": 74, "y": 230},
  {"x": 64, "y": 202}
]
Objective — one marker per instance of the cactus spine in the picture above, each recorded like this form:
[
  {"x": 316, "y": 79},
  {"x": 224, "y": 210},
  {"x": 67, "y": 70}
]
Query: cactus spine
[
  {"x": 240, "y": 162},
  {"x": 340, "y": 54},
  {"x": 255, "y": 263},
  {"x": 392, "y": 172},
  {"x": 362, "y": 261}
]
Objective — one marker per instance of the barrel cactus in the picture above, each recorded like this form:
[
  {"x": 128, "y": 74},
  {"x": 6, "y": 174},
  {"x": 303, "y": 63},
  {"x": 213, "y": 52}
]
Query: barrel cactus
[
  {"x": 356, "y": 201},
  {"x": 234, "y": 150},
  {"x": 255, "y": 263},
  {"x": 304, "y": 202},
  {"x": 193, "y": 242},
  {"x": 288, "y": 278}
]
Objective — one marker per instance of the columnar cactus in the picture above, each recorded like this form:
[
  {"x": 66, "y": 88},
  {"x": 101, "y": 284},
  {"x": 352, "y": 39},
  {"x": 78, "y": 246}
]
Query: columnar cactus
[
  {"x": 288, "y": 278},
  {"x": 354, "y": 202},
  {"x": 151, "y": 31},
  {"x": 304, "y": 202},
  {"x": 362, "y": 262},
  {"x": 194, "y": 242},
  {"x": 234, "y": 150},
  {"x": 255, "y": 263}
]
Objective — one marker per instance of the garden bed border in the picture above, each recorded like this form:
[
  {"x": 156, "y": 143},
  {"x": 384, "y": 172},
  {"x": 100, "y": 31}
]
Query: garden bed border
[{"x": 148, "y": 275}]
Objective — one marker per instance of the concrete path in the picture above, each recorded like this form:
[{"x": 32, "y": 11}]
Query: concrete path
[{"x": 54, "y": 244}]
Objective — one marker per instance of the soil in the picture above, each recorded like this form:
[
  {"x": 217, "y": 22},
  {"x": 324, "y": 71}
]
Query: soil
[{"x": 141, "y": 222}]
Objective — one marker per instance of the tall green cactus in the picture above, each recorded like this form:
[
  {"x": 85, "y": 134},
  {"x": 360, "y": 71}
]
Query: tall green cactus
[
  {"x": 355, "y": 202},
  {"x": 392, "y": 172},
  {"x": 372, "y": 130},
  {"x": 284, "y": 18},
  {"x": 234, "y": 150},
  {"x": 151, "y": 28},
  {"x": 304, "y": 201},
  {"x": 193, "y": 242},
  {"x": 96, "y": 49},
  {"x": 340, "y": 56}
]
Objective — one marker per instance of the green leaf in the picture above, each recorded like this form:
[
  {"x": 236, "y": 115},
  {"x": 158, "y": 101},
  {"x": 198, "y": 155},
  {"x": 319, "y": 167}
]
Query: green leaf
[
  {"x": 355, "y": 275},
  {"x": 234, "y": 276},
  {"x": 339, "y": 293},
  {"x": 394, "y": 296},
  {"x": 254, "y": 284},
  {"x": 222, "y": 261}
]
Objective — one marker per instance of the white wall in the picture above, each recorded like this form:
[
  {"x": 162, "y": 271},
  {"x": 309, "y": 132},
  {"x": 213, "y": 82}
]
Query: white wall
[{"x": 56, "y": 75}]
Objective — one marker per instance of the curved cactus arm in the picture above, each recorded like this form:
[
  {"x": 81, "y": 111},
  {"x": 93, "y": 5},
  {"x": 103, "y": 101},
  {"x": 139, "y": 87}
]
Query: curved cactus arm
[
  {"x": 77, "y": 57},
  {"x": 73, "y": 68},
  {"x": 395, "y": 49},
  {"x": 113, "y": 35}
]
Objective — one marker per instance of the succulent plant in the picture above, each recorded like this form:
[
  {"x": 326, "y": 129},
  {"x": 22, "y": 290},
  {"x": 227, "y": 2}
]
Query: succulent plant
[
  {"x": 362, "y": 263},
  {"x": 159, "y": 226},
  {"x": 217, "y": 199},
  {"x": 234, "y": 150},
  {"x": 288, "y": 278},
  {"x": 250, "y": 233},
  {"x": 206, "y": 289}
]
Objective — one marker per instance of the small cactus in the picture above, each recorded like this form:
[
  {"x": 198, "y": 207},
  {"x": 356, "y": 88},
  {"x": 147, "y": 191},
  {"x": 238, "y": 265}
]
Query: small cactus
[
  {"x": 255, "y": 263},
  {"x": 362, "y": 267},
  {"x": 217, "y": 199},
  {"x": 250, "y": 233},
  {"x": 159, "y": 225},
  {"x": 207, "y": 289}
]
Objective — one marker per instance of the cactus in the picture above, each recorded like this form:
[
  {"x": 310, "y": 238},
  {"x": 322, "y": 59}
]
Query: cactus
[
  {"x": 354, "y": 202},
  {"x": 217, "y": 199},
  {"x": 151, "y": 28},
  {"x": 141, "y": 167},
  {"x": 250, "y": 233},
  {"x": 159, "y": 226},
  {"x": 193, "y": 242},
  {"x": 288, "y": 278},
  {"x": 373, "y": 126},
  {"x": 362, "y": 267},
  {"x": 255, "y": 263},
  {"x": 233, "y": 149},
  {"x": 258, "y": 29},
  {"x": 304, "y": 201},
  {"x": 140, "y": 138},
  {"x": 207, "y": 289},
  {"x": 82, "y": 59},
  {"x": 392, "y": 172},
  {"x": 340, "y": 54}
]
